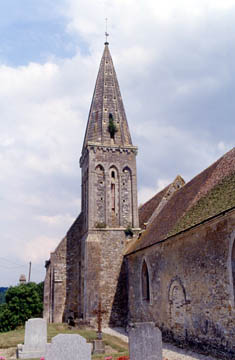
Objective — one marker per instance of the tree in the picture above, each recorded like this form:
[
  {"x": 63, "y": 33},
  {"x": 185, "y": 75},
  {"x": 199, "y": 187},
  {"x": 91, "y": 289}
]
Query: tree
[{"x": 22, "y": 303}]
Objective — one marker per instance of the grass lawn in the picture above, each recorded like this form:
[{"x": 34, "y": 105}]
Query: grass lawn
[{"x": 116, "y": 347}]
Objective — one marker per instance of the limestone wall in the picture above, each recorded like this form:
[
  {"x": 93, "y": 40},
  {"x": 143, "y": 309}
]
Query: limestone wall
[
  {"x": 55, "y": 284},
  {"x": 109, "y": 187},
  {"x": 83, "y": 270},
  {"x": 106, "y": 276},
  {"x": 191, "y": 286},
  {"x": 74, "y": 271}
]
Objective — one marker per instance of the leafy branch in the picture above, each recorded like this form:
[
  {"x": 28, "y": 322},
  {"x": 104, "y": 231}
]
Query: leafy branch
[{"x": 112, "y": 128}]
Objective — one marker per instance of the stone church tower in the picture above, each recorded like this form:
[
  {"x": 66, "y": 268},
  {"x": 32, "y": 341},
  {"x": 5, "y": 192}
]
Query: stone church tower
[
  {"x": 88, "y": 264},
  {"x": 108, "y": 157}
]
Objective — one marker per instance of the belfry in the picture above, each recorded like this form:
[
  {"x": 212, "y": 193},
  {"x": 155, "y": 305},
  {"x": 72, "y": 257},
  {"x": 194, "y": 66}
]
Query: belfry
[
  {"x": 108, "y": 157},
  {"x": 87, "y": 266}
]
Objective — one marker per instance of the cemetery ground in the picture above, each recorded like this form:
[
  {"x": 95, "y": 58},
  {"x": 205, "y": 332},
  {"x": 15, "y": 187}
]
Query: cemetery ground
[{"x": 115, "y": 345}]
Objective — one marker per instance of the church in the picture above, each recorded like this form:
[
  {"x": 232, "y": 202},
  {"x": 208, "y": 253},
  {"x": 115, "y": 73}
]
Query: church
[{"x": 171, "y": 261}]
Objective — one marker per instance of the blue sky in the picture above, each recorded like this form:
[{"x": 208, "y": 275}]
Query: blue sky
[
  {"x": 32, "y": 31},
  {"x": 175, "y": 65}
]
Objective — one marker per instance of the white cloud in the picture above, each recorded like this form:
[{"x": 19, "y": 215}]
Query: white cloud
[
  {"x": 174, "y": 61},
  {"x": 146, "y": 193},
  {"x": 6, "y": 140},
  {"x": 65, "y": 219},
  {"x": 38, "y": 249},
  {"x": 222, "y": 147}
]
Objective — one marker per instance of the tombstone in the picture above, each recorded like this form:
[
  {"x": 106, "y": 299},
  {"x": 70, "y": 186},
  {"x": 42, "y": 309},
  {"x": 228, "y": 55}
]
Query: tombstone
[
  {"x": 68, "y": 347},
  {"x": 35, "y": 339},
  {"x": 145, "y": 342}
]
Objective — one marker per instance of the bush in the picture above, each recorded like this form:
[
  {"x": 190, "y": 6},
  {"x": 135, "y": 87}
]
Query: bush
[
  {"x": 112, "y": 127},
  {"x": 100, "y": 225},
  {"x": 22, "y": 303},
  {"x": 129, "y": 232}
]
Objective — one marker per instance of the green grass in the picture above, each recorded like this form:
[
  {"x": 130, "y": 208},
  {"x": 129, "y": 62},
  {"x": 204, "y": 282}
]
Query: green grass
[{"x": 10, "y": 339}]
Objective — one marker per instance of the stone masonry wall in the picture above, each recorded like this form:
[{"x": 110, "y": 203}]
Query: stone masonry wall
[
  {"x": 55, "y": 284},
  {"x": 118, "y": 175},
  {"x": 106, "y": 275},
  {"x": 74, "y": 271},
  {"x": 191, "y": 286}
]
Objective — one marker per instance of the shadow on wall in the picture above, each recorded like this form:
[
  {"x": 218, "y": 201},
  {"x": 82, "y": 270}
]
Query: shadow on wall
[
  {"x": 119, "y": 312},
  {"x": 73, "y": 300}
]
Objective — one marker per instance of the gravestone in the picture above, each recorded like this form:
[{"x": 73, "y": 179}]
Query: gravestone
[
  {"x": 35, "y": 339},
  {"x": 68, "y": 347},
  {"x": 145, "y": 342}
]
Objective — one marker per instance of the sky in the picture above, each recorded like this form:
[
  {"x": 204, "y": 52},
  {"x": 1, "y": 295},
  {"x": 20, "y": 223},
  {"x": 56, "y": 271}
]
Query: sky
[{"x": 175, "y": 65}]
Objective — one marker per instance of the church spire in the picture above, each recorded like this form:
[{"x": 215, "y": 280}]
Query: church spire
[{"x": 107, "y": 123}]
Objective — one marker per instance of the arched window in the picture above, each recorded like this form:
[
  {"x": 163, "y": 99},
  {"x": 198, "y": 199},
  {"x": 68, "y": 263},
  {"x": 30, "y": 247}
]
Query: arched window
[
  {"x": 126, "y": 197},
  {"x": 99, "y": 200},
  {"x": 114, "y": 189},
  {"x": 233, "y": 268},
  {"x": 177, "y": 305},
  {"x": 145, "y": 283}
]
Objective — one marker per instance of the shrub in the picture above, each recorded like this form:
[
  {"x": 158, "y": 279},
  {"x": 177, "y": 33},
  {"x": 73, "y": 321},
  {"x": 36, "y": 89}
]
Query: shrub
[
  {"x": 112, "y": 127},
  {"x": 100, "y": 225},
  {"x": 129, "y": 231},
  {"x": 22, "y": 303}
]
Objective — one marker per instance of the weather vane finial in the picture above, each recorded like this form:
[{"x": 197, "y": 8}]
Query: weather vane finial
[{"x": 106, "y": 32}]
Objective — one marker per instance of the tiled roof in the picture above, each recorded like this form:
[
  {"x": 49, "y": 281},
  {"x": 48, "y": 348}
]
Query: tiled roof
[
  {"x": 218, "y": 199},
  {"x": 146, "y": 210},
  {"x": 208, "y": 194}
]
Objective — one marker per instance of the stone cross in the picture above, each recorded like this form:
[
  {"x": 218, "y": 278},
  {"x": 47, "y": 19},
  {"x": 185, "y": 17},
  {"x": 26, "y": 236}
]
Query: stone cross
[{"x": 99, "y": 313}]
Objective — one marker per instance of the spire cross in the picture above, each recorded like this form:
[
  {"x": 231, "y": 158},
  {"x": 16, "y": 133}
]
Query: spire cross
[{"x": 106, "y": 32}]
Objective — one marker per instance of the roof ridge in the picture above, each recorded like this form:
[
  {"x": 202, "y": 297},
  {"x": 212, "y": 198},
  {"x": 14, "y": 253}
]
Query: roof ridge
[
  {"x": 176, "y": 185},
  {"x": 193, "y": 217},
  {"x": 204, "y": 186},
  {"x": 146, "y": 202}
]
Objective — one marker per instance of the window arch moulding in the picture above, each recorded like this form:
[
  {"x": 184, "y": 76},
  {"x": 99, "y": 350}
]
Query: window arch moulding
[{"x": 145, "y": 282}]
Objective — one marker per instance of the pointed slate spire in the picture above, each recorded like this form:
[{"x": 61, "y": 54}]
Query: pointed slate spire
[{"x": 106, "y": 107}]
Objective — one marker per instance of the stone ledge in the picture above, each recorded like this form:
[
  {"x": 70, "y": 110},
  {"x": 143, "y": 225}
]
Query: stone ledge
[{"x": 113, "y": 229}]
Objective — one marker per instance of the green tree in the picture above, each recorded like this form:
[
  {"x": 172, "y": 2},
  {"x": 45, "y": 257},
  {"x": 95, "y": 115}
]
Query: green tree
[{"x": 23, "y": 302}]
